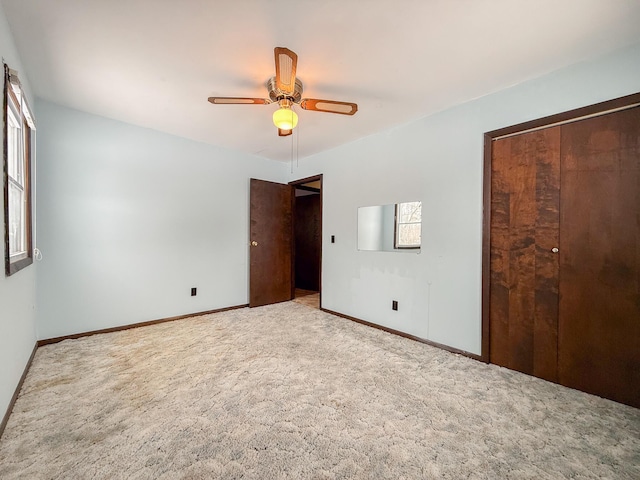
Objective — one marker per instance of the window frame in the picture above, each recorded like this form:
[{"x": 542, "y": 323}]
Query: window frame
[
  {"x": 17, "y": 102},
  {"x": 396, "y": 228}
]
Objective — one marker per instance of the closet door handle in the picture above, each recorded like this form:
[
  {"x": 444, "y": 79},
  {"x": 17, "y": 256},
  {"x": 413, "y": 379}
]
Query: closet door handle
[{"x": 555, "y": 250}]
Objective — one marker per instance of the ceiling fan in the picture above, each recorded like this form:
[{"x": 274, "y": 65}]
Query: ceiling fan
[{"x": 286, "y": 90}]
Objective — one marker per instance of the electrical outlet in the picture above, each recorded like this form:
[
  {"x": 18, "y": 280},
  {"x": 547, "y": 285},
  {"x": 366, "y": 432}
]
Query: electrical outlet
[
  {"x": 394, "y": 305},
  {"x": 194, "y": 291}
]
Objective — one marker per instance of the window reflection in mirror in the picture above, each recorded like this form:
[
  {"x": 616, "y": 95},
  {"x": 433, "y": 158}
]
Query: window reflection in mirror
[
  {"x": 408, "y": 225},
  {"x": 390, "y": 228}
]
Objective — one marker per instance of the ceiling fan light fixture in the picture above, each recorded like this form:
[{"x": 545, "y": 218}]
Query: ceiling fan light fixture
[
  {"x": 286, "y": 90},
  {"x": 285, "y": 118}
]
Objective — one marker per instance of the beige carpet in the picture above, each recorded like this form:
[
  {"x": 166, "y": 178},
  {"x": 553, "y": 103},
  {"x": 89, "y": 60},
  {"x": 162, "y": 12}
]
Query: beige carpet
[
  {"x": 288, "y": 391},
  {"x": 310, "y": 300}
]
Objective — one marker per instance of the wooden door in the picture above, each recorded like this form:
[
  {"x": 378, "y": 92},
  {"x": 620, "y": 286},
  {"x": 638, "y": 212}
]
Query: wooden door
[
  {"x": 525, "y": 182},
  {"x": 270, "y": 259},
  {"x": 599, "y": 329},
  {"x": 571, "y": 316}
]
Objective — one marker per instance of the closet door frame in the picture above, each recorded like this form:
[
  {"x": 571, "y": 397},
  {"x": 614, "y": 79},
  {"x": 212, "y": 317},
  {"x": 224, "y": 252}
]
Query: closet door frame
[{"x": 621, "y": 103}]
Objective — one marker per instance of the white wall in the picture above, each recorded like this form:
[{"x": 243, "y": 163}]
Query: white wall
[
  {"x": 130, "y": 219},
  {"x": 18, "y": 292},
  {"x": 437, "y": 159}
]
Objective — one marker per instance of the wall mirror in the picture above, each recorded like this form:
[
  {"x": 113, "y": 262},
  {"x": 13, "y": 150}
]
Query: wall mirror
[{"x": 396, "y": 227}]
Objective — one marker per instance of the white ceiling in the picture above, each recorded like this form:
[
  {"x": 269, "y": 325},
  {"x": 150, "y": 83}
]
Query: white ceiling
[{"x": 154, "y": 62}]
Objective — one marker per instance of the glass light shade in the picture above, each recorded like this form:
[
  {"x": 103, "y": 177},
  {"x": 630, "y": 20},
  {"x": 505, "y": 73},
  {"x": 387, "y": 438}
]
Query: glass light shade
[{"x": 285, "y": 119}]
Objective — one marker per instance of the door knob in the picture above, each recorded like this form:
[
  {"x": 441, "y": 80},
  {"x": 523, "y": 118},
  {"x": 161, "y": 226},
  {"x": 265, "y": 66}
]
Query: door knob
[
  {"x": 554, "y": 249},
  {"x": 254, "y": 244}
]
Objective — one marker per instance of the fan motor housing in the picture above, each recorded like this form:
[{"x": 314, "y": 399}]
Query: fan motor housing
[{"x": 275, "y": 94}]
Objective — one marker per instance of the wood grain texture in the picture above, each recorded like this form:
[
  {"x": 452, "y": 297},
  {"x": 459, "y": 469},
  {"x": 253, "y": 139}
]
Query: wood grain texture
[
  {"x": 524, "y": 228},
  {"x": 599, "y": 336},
  {"x": 286, "y": 66},
  {"x": 329, "y": 106},
  {"x": 270, "y": 273},
  {"x": 571, "y": 115},
  {"x": 238, "y": 101},
  {"x": 547, "y": 232},
  {"x": 592, "y": 286},
  {"x": 499, "y": 256},
  {"x": 486, "y": 250}
]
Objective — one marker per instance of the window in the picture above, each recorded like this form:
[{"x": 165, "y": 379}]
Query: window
[
  {"x": 18, "y": 127},
  {"x": 408, "y": 225}
]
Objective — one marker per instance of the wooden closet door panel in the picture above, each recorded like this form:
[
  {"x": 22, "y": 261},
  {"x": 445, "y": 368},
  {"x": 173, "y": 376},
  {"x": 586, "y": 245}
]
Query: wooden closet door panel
[
  {"x": 599, "y": 329},
  {"x": 522, "y": 249},
  {"x": 524, "y": 229},
  {"x": 546, "y": 260},
  {"x": 499, "y": 257}
]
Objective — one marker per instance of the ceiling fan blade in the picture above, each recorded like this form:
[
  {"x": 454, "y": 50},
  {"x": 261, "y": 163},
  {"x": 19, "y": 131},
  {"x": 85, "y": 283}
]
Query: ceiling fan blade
[
  {"x": 286, "y": 62},
  {"x": 239, "y": 100},
  {"x": 284, "y": 133},
  {"x": 329, "y": 106}
]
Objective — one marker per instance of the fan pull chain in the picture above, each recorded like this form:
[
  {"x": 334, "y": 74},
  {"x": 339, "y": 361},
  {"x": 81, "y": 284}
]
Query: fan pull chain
[
  {"x": 295, "y": 133},
  {"x": 291, "y": 152}
]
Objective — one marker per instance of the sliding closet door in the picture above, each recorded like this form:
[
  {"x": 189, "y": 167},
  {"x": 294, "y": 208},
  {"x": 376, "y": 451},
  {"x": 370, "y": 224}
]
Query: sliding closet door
[
  {"x": 525, "y": 180},
  {"x": 599, "y": 329}
]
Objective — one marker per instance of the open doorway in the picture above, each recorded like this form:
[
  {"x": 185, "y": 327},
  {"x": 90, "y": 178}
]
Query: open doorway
[{"x": 307, "y": 240}]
